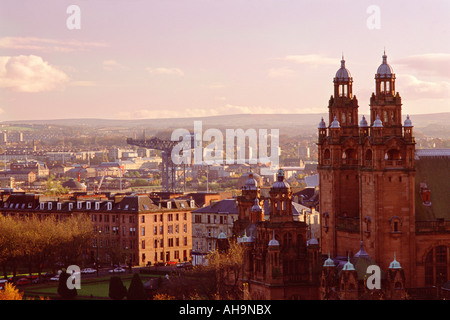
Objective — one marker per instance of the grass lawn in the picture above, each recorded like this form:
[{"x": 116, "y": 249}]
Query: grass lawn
[{"x": 91, "y": 287}]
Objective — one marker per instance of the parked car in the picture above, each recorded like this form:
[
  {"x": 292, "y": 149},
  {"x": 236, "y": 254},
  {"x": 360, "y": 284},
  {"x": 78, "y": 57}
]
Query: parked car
[
  {"x": 117, "y": 270},
  {"x": 55, "y": 278},
  {"x": 88, "y": 270},
  {"x": 23, "y": 281}
]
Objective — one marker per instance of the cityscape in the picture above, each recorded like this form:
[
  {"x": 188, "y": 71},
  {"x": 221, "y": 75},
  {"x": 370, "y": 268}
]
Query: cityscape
[{"x": 325, "y": 178}]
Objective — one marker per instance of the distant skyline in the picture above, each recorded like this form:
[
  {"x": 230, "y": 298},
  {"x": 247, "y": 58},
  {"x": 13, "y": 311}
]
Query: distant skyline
[{"x": 177, "y": 58}]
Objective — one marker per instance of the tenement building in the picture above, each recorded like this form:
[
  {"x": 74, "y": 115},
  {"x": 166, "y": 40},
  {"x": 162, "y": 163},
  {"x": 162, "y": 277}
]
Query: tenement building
[
  {"x": 132, "y": 229},
  {"x": 375, "y": 198}
]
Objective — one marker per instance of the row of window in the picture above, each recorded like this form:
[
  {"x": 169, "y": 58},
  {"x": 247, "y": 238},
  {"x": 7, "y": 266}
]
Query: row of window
[
  {"x": 213, "y": 219},
  {"x": 42, "y": 206},
  {"x": 171, "y": 242},
  {"x": 132, "y": 244}
]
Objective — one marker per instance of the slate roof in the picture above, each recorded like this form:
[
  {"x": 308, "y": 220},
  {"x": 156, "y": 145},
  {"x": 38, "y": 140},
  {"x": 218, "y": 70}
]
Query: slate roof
[{"x": 222, "y": 206}]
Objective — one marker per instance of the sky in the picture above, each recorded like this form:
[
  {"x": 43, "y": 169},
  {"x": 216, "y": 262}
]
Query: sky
[{"x": 131, "y": 59}]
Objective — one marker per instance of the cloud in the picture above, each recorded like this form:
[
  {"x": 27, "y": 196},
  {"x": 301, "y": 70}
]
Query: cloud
[
  {"x": 30, "y": 74},
  {"x": 311, "y": 59},
  {"x": 414, "y": 88},
  {"x": 197, "y": 112},
  {"x": 165, "y": 71},
  {"x": 47, "y": 45},
  {"x": 110, "y": 65},
  {"x": 436, "y": 64},
  {"x": 282, "y": 72}
]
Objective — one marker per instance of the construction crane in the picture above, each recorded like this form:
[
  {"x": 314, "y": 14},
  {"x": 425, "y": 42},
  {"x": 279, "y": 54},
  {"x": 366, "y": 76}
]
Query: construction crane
[{"x": 166, "y": 146}]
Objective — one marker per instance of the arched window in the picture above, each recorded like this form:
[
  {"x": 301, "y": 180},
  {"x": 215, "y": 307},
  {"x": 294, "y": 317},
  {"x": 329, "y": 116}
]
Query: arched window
[{"x": 437, "y": 266}]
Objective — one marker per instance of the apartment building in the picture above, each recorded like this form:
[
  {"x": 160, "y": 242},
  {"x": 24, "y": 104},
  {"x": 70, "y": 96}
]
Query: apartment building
[
  {"x": 208, "y": 223},
  {"x": 131, "y": 229}
]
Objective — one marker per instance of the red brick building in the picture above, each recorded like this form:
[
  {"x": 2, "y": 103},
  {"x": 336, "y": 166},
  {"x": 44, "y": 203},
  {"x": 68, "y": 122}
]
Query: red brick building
[
  {"x": 280, "y": 263},
  {"x": 368, "y": 186}
]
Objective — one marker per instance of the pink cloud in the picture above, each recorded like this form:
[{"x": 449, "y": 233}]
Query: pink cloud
[{"x": 30, "y": 74}]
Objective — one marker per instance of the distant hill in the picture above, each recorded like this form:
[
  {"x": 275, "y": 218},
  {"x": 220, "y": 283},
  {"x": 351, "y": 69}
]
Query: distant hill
[{"x": 436, "y": 124}]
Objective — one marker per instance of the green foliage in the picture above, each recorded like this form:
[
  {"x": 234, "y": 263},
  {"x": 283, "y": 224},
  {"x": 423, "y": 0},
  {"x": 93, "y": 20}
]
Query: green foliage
[
  {"x": 54, "y": 187},
  {"x": 63, "y": 290},
  {"x": 117, "y": 291},
  {"x": 136, "y": 290}
]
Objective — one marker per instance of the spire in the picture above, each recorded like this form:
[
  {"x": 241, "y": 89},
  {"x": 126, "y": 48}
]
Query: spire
[
  {"x": 395, "y": 264},
  {"x": 348, "y": 266},
  {"x": 273, "y": 242},
  {"x": 329, "y": 262}
]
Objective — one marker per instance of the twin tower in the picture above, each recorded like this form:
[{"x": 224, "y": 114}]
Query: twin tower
[{"x": 366, "y": 170}]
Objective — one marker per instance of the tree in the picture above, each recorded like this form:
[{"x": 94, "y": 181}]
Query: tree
[
  {"x": 228, "y": 267},
  {"x": 117, "y": 291},
  {"x": 136, "y": 290},
  {"x": 10, "y": 292},
  {"x": 63, "y": 290},
  {"x": 54, "y": 187}
]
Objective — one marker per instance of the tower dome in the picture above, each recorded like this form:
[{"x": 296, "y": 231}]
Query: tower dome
[
  {"x": 343, "y": 74},
  {"x": 408, "y": 122},
  {"x": 384, "y": 70},
  {"x": 280, "y": 183},
  {"x": 363, "y": 122},
  {"x": 273, "y": 242},
  {"x": 348, "y": 266},
  {"x": 335, "y": 123},
  {"x": 322, "y": 124},
  {"x": 250, "y": 183},
  {"x": 256, "y": 207},
  {"x": 329, "y": 262},
  {"x": 395, "y": 264},
  {"x": 377, "y": 123}
]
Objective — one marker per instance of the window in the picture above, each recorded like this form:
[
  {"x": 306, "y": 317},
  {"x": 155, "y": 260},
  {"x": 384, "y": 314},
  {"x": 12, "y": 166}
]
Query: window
[
  {"x": 143, "y": 219},
  {"x": 59, "y": 206},
  {"x": 437, "y": 265},
  {"x": 155, "y": 230},
  {"x": 109, "y": 206},
  {"x": 143, "y": 244},
  {"x": 142, "y": 231},
  {"x": 88, "y": 205},
  {"x": 97, "y": 206}
]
